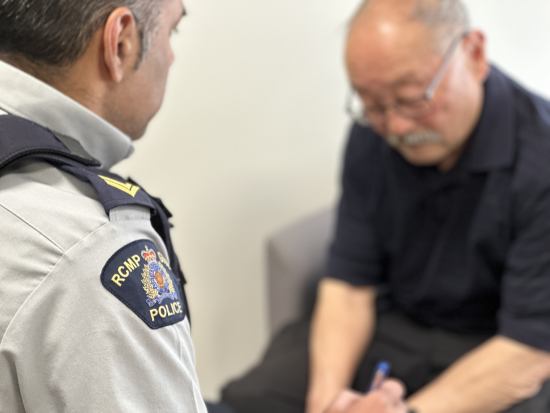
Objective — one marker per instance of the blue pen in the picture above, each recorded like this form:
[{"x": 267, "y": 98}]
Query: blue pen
[{"x": 381, "y": 372}]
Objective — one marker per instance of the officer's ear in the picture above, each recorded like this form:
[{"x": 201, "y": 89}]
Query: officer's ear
[{"x": 122, "y": 43}]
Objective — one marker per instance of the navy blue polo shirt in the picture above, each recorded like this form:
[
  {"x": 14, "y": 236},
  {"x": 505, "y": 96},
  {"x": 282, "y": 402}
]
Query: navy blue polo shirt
[{"x": 468, "y": 250}]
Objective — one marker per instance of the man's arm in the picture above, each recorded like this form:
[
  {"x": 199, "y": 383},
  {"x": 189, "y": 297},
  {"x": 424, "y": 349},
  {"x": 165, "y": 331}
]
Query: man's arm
[
  {"x": 498, "y": 374},
  {"x": 511, "y": 366},
  {"x": 342, "y": 327}
]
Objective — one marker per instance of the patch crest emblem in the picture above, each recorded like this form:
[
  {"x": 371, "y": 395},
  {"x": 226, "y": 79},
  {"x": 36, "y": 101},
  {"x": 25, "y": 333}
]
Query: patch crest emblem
[
  {"x": 156, "y": 281},
  {"x": 141, "y": 278}
]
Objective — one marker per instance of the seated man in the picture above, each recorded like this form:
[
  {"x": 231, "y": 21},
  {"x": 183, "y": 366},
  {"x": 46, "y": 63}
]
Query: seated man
[{"x": 441, "y": 258}]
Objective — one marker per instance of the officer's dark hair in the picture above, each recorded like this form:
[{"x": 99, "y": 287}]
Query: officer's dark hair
[
  {"x": 444, "y": 18},
  {"x": 58, "y": 32}
]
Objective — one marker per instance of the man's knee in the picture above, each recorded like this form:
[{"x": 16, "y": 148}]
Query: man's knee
[
  {"x": 249, "y": 395},
  {"x": 279, "y": 382},
  {"x": 243, "y": 392}
]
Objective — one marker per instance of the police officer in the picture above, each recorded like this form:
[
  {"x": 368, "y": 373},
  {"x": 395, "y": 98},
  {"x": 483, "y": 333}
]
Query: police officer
[{"x": 93, "y": 315}]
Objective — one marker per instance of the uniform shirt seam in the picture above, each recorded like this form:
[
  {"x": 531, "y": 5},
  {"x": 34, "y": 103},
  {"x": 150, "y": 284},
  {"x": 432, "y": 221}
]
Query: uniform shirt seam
[
  {"x": 45, "y": 278},
  {"x": 33, "y": 227}
]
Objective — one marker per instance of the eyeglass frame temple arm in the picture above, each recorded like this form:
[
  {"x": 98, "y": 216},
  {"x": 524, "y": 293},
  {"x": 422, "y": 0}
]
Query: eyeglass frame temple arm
[{"x": 430, "y": 92}]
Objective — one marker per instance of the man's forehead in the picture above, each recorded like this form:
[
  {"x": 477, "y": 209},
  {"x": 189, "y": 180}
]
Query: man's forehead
[
  {"x": 390, "y": 30},
  {"x": 383, "y": 52}
]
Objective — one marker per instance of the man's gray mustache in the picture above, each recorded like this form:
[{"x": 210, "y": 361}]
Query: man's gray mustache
[{"x": 414, "y": 139}]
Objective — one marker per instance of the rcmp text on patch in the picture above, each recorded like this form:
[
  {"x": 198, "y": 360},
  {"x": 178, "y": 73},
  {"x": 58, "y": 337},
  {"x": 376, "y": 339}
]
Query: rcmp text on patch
[{"x": 140, "y": 276}]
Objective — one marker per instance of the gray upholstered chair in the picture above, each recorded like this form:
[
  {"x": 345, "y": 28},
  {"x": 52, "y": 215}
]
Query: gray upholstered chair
[{"x": 296, "y": 258}]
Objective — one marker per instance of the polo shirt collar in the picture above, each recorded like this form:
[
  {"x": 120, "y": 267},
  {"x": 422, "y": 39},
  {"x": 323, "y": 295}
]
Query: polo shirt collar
[
  {"x": 24, "y": 95},
  {"x": 492, "y": 144}
]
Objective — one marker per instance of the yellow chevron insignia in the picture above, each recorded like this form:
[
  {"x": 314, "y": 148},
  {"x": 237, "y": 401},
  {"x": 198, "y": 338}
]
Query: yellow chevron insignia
[{"x": 128, "y": 188}]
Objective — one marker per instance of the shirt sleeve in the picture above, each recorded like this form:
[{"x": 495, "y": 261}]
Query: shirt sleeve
[
  {"x": 355, "y": 255},
  {"x": 525, "y": 308},
  {"x": 76, "y": 347}
]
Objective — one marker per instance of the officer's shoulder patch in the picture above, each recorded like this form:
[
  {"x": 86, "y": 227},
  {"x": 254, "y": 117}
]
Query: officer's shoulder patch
[{"x": 140, "y": 277}]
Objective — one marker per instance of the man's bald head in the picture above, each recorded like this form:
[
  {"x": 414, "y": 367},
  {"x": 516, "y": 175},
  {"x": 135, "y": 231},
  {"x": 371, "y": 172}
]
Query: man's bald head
[{"x": 444, "y": 19}]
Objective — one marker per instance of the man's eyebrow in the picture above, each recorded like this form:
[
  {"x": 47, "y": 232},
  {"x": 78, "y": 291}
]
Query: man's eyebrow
[
  {"x": 409, "y": 78},
  {"x": 184, "y": 13}
]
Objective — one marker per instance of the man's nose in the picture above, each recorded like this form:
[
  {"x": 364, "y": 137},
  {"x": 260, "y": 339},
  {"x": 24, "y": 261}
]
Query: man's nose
[{"x": 397, "y": 124}]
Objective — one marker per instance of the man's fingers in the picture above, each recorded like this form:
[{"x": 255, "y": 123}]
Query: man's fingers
[
  {"x": 343, "y": 402},
  {"x": 393, "y": 388},
  {"x": 379, "y": 402}
]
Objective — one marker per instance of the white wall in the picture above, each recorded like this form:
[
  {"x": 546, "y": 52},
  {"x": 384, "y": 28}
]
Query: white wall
[
  {"x": 250, "y": 137},
  {"x": 518, "y": 33}
]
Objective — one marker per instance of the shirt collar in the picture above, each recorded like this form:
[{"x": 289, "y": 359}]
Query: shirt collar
[
  {"x": 492, "y": 144},
  {"x": 23, "y": 95}
]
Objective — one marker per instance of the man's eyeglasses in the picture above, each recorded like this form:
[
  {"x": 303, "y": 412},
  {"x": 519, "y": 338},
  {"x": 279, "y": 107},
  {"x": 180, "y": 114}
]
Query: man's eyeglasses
[{"x": 412, "y": 109}]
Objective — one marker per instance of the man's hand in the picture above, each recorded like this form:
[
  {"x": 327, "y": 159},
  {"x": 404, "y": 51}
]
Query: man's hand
[{"x": 389, "y": 399}]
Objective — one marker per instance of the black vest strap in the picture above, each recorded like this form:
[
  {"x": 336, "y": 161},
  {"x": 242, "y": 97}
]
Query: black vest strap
[
  {"x": 162, "y": 225},
  {"x": 22, "y": 139}
]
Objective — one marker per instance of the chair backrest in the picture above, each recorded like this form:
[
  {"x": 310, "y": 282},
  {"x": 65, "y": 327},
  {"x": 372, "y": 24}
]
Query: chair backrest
[{"x": 296, "y": 259}]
